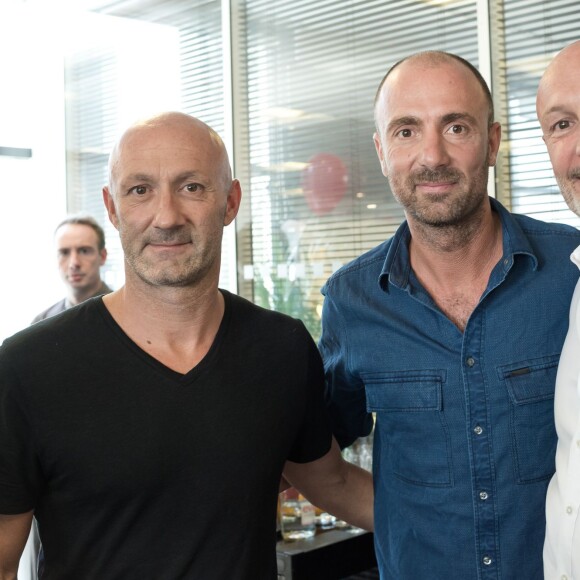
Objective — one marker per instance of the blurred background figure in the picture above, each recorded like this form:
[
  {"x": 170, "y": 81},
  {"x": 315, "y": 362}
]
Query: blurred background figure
[{"x": 80, "y": 249}]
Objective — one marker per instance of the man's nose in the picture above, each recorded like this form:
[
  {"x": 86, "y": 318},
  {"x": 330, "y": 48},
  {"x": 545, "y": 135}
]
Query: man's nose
[
  {"x": 434, "y": 152},
  {"x": 74, "y": 260},
  {"x": 168, "y": 210}
]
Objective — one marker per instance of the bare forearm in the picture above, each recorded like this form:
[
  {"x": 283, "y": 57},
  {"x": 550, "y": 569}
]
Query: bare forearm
[
  {"x": 284, "y": 485},
  {"x": 350, "y": 500},
  {"x": 336, "y": 486},
  {"x": 14, "y": 530},
  {"x": 8, "y": 574}
]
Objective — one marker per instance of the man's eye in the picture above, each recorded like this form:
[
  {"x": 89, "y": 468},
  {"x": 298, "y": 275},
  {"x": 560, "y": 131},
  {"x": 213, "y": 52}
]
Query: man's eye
[
  {"x": 405, "y": 133},
  {"x": 138, "y": 189},
  {"x": 457, "y": 129},
  {"x": 193, "y": 187},
  {"x": 562, "y": 125}
]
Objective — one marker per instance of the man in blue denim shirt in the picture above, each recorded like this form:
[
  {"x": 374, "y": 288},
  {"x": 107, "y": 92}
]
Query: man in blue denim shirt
[{"x": 450, "y": 333}]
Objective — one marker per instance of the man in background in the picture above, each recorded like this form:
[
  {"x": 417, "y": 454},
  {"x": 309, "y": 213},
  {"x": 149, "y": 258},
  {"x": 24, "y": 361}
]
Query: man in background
[
  {"x": 558, "y": 108},
  {"x": 450, "y": 333},
  {"x": 80, "y": 249},
  {"x": 153, "y": 446}
]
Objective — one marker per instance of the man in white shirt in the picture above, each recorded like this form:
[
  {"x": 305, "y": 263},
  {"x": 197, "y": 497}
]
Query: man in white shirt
[{"x": 558, "y": 108}]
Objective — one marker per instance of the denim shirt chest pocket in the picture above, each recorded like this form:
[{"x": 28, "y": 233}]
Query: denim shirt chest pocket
[
  {"x": 530, "y": 386},
  {"x": 411, "y": 424}
]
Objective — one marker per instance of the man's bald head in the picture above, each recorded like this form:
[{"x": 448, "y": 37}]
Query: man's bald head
[
  {"x": 180, "y": 124},
  {"x": 433, "y": 59},
  {"x": 558, "y": 109}
]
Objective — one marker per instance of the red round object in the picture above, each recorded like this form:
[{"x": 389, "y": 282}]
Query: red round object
[{"x": 324, "y": 182}]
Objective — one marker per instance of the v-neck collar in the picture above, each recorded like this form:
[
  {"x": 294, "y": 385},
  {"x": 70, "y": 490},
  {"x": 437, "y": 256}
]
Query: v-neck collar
[{"x": 161, "y": 368}]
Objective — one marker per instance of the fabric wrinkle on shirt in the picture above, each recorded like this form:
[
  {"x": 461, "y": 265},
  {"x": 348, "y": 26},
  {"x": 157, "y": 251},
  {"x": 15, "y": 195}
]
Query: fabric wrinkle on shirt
[
  {"x": 464, "y": 439},
  {"x": 562, "y": 545}
]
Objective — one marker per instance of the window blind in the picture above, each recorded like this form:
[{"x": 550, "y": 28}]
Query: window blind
[
  {"x": 534, "y": 32},
  {"x": 304, "y": 75},
  {"x": 318, "y": 197},
  {"x": 175, "y": 53}
]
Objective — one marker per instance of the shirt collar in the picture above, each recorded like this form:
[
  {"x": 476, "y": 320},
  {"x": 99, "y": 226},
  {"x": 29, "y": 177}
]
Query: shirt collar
[
  {"x": 397, "y": 266},
  {"x": 575, "y": 257}
]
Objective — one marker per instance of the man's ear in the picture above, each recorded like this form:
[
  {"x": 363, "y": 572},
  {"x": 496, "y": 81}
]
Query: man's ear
[
  {"x": 110, "y": 205},
  {"x": 494, "y": 139},
  {"x": 233, "y": 202},
  {"x": 103, "y": 255},
  {"x": 380, "y": 153}
]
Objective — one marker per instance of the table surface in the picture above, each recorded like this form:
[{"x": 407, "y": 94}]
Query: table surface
[{"x": 334, "y": 554}]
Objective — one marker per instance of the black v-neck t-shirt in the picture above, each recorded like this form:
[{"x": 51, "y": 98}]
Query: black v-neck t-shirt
[{"x": 136, "y": 471}]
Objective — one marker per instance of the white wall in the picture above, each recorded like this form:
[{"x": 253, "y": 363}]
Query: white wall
[
  {"x": 33, "y": 41},
  {"x": 32, "y": 191}
]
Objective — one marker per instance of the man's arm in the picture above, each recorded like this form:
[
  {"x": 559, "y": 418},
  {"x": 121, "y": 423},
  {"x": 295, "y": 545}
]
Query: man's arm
[
  {"x": 335, "y": 485},
  {"x": 14, "y": 531}
]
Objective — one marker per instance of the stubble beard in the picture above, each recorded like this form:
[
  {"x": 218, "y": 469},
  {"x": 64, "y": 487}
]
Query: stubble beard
[
  {"x": 568, "y": 184},
  {"x": 444, "y": 211},
  {"x": 178, "y": 272}
]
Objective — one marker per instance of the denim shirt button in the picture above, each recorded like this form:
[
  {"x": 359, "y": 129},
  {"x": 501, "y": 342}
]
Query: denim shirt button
[
  {"x": 478, "y": 430},
  {"x": 487, "y": 560},
  {"x": 483, "y": 495},
  {"x": 470, "y": 361}
]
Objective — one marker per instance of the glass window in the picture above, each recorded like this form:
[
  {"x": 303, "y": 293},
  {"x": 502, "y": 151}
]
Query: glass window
[
  {"x": 31, "y": 164},
  {"x": 318, "y": 197},
  {"x": 303, "y": 78},
  {"x": 130, "y": 60},
  {"x": 534, "y": 32}
]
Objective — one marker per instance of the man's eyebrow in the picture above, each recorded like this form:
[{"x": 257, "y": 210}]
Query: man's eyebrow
[
  {"x": 400, "y": 121},
  {"x": 450, "y": 117},
  {"x": 148, "y": 178},
  {"x": 562, "y": 109},
  {"x": 190, "y": 175},
  {"x": 136, "y": 177},
  {"x": 74, "y": 247}
]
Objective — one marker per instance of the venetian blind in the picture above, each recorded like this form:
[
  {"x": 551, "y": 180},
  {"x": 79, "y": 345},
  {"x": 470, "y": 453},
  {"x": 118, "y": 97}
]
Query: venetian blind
[
  {"x": 171, "y": 59},
  {"x": 534, "y": 32},
  {"x": 317, "y": 195}
]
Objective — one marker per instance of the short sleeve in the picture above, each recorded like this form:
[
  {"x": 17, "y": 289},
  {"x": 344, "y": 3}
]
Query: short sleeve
[
  {"x": 314, "y": 437},
  {"x": 345, "y": 393}
]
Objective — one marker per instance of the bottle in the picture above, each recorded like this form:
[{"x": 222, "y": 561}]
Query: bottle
[{"x": 297, "y": 516}]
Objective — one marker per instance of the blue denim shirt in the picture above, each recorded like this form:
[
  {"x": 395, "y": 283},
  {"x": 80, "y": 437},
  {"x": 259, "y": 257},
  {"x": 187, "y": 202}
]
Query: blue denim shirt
[{"x": 464, "y": 439}]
